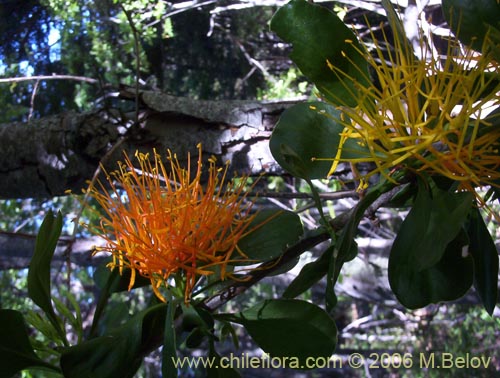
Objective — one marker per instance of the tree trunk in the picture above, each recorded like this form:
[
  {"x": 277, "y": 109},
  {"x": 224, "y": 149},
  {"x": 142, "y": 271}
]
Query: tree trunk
[{"x": 48, "y": 156}]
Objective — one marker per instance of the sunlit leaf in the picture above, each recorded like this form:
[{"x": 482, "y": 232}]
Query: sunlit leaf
[
  {"x": 318, "y": 36},
  {"x": 307, "y": 132}
]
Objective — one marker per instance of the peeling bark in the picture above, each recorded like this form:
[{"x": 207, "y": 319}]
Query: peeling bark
[{"x": 46, "y": 157}]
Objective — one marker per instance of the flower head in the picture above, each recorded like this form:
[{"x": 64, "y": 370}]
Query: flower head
[
  {"x": 425, "y": 114},
  {"x": 161, "y": 223}
]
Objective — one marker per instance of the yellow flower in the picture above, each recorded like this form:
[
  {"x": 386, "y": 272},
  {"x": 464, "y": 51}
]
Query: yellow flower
[
  {"x": 161, "y": 223},
  {"x": 425, "y": 114}
]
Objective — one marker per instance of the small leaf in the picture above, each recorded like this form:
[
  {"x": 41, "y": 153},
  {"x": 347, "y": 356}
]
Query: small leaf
[
  {"x": 346, "y": 248},
  {"x": 320, "y": 38},
  {"x": 485, "y": 256},
  {"x": 309, "y": 275},
  {"x": 307, "y": 132},
  {"x": 111, "y": 282},
  {"x": 39, "y": 270},
  {"x": 274, "y": 231},
  {"x": 290, "y": 328},
  {"x": 16, "y": 352}
]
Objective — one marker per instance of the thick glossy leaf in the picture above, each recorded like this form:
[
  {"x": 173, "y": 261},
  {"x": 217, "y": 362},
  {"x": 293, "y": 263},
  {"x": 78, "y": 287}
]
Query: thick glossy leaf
[
  {"x": 118, "y": 353},
  {"x": 268, "y": 241},
  {"x": 306, "y": 132},
  {"x": 290, "y": 328},
  {"x": 434, "y": 221},
  {"x": 16, "y": 352},
  {"x": 39, "y": 270},
  {"x": 485, "y": 256},
  {"x": 426, "y": 263},
  {"x": 449, "y": 279},
  {"x": 472, "y": 20},
  {"x": 318, "y": 38}
]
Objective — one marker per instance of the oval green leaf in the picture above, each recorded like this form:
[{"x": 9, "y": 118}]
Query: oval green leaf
[
  {"x": 307, "y": 133},
  {"x": 426, "y": 264},
  {"x": 290, "y": 328},
  {"x": 320, "y": 38}
]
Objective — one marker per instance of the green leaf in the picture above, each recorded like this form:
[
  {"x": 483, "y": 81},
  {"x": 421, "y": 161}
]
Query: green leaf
[
  {"x": 318, "y": 36},
  {"x": 346, "y": 247},
  {"x": 118, "y": 353},
  {"x": 485, "y": 256},
  {"x": 290, "y": 328},
  {"x": 111, "y": 282},
  {"x": 472, "y": 20},
  {"x": 307, "y": 132},
  {"x": 16, "y": 352},
  {"x": 426, "y": 263},
  {"x": 39, "y": 270},
  {"x": 309, "y": 275},
  {"x": 119, "y": 282},
  {"x": 432, "y": 224},
  {"x": 169, "y": 351},
  {"x": 277, "y": 230}
]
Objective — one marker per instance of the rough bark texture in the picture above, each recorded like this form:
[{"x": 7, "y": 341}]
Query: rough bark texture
[{"x": 46, "y": 157}]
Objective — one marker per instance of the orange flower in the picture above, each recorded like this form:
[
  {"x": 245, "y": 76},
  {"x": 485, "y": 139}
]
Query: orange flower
[{"x": 161, "y": 223}]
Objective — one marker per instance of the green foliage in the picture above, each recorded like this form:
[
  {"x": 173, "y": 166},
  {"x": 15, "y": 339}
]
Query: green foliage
[
  {"x": 320, "y": 38},
  {"x": 304, "y": 135},
  {"x": 289, "y": 328},
  {"x": 442, "y": 247},
  {"x": 269, "y": 240},
  {"x": 485, "y": 256},
  {"x": 16, "y": 352},
  {"x": 119, "y": 352},
  {"x": 474, "y": 22},
  {"x": 39, "y": 272},
  {"x": 426, "y": 264},
  {"x": 283, "y": 87}
]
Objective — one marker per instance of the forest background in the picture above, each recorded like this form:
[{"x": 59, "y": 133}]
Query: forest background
[{"x": 139, "y": 74}]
